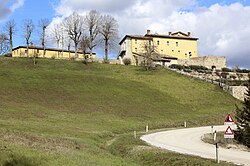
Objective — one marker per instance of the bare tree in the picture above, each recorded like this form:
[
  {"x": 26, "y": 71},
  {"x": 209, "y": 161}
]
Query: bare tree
[
  {"x": 43, "y": 23},
  {"x": 84, "y": 45},
  {"x": 73, "y": 26},
  {"x": 10, "y": 29},
  {"x": 109, "y": 31},
  {"x": 58, "y": 35},
  {"x": 92, "y": 21},
  {"x": 28, "y": 30},
  {"x": 149, "y": 53},
  {"x": 4, "y": 46}
]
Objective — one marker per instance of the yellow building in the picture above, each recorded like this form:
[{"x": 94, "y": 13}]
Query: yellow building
[
  {"x": 21, "y": 51},
  {"x": 169, "y": 47}
]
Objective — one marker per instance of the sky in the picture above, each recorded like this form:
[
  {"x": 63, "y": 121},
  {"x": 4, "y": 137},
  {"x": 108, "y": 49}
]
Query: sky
[{"x": 222, "y": 26}]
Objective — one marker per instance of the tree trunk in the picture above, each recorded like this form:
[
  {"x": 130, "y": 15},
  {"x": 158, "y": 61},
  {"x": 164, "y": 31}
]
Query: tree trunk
[
  {"x": 106, "y": 50},
  {"x": 11, "y": 44},
  {"x": 58, "y": 53},
  {"x": 27, "y": 48},
  {"x": 91, "y": 49},
  {"x": 75, "y": 50},
  {"x": 43, "y": 42},
  {"x": 34, "y": 60}
]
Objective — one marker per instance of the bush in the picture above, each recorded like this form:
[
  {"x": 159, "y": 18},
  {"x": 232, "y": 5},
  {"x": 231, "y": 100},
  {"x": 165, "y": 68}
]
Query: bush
[
  {"x": 196, "y": 68},
  {"x": 245, "y": 71},
  {"x": 158, "y": 67},
  {"x": 208, "y": 72},
  {"x": 186, "y": 67},
  {"x": 53, "y": 57},
  {"x": 224, "y": 74},
  {"x": 7, "y": 55},
  {"x": 175, "y": 66},
  {"x": 233, "y": 77},
  {"x": 187, "y": 70},
  {"x": 226, "y": 69},
  {"x": 127, "y": 61},
  {"x": 106, "y": 61}
]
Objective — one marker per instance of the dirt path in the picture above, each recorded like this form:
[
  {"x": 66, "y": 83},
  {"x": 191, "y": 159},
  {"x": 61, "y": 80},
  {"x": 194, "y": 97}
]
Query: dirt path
[{"x": 188, "y": 141}]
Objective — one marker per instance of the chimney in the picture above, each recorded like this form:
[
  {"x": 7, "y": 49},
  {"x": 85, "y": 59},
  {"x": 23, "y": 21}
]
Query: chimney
[
  {"x": 148, "y": 32},
  {"x": 169, "y": 33},
  {"x": 189, "y": 34}
]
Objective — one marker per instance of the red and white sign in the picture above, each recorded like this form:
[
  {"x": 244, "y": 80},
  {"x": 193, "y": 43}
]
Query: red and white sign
[
  {"x": 229, "y": 133},
  {"x": 229, "y": 120}
]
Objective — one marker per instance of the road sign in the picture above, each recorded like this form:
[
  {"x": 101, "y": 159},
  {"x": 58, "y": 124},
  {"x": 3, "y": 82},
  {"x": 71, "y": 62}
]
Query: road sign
[
  {"x": 229, "y": 133},
  {"x": 229, "y": 120}
]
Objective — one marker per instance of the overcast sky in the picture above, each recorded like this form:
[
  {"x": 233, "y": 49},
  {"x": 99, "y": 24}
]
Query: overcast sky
[{"x": 222, "y": 26}]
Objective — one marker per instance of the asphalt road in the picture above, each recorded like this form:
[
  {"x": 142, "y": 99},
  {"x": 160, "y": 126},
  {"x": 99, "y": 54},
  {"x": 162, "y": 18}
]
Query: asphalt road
[{"x": 188, "y": 141}]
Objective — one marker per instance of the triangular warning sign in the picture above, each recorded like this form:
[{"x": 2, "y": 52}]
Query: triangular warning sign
[
  {"x": 229, "y": 119},
  {"x": 229, "y": 131}
]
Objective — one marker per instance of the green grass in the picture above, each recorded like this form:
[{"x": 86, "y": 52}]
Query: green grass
[{"x": 67, "y": 113}]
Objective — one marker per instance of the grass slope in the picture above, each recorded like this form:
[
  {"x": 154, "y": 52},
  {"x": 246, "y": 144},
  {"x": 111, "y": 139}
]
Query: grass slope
[{"x": 67, "y": 113}]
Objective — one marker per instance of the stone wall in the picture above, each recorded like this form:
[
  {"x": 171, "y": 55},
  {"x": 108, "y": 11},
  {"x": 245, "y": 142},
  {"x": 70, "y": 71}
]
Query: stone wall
[
  {"x": 111, "y": 61},
  {"x": 218, "y": 62},
  {"x": 238, "y": 92}
]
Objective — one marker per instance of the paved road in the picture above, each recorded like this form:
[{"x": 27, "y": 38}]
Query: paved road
[{"x": 188, "y": 141}]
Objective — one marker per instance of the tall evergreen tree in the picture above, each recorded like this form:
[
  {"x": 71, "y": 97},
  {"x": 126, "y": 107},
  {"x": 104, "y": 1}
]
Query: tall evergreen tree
[{"x": 243, "y": 119}]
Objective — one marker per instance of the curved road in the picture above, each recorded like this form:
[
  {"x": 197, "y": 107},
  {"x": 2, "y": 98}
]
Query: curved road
[{"x": 188, "y": 141}]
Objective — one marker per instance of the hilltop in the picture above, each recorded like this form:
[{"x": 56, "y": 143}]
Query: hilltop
[{"x": 67, "y": 113}]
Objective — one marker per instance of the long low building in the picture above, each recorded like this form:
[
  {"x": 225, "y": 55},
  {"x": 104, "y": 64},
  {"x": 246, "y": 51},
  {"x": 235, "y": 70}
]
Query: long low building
[{"x": 21, "y": 51}]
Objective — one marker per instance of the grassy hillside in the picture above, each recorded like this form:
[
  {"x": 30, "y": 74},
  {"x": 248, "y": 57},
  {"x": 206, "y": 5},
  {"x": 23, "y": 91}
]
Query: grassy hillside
[{"x": 68, "y": 113}]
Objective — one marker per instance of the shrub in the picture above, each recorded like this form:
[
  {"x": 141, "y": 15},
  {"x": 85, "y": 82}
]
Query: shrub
[
  {"x": 127, "y": 61},
  {"x": 245, "y": 71},
  {"x": 158, "y": 66},
  {"x": 233, "y": 77},
  {"x": 53, "y": 57},
  {"x": 186, "y": 67},
  {"x": 175, "y": 66},
  {"x": 195, "y": 67},
  {"x": 224, "y": 74},
  {"x": 226, "y": 69},
  {"x": 187, "y": 70},
  {"x": 243, "y": 121},
  {"x": 200, "y": 71},
  {"x": 7, "y": 55},
  {"x": 106, "y": 61},
  {"x": 72, "y": 58},
  {"x": 208, "y": 72}
]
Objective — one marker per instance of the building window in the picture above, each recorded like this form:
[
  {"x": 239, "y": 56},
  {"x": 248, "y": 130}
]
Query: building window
[
  {"x": 179, "y": 51},
  {"x": 162, "y": 51},
  {"x": 124, "y": 46},
  {"x": 26, "y": 52},
  {"x": 177, "y": 44},
  {"x": 190, "y": 54},
  {"x": 37, "y": 51},
  {"x": 186, "y": 55},
  {"x": 172, "y": 50},
  {"x": 135, "y": 41},
  {"x": 158, "y": 42},
  {"x": 135, "y": 49},
  {"x": 167, "y": 43}
]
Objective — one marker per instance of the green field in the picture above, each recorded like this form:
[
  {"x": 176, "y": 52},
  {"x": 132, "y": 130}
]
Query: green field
[{"x": 67, "y": 113}]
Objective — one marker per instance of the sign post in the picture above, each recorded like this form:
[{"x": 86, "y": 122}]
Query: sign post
[
  {"x": 229, "y": 133},
  {"x": 217, "y": 153},
  {"x": 229, "y": 120}
]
